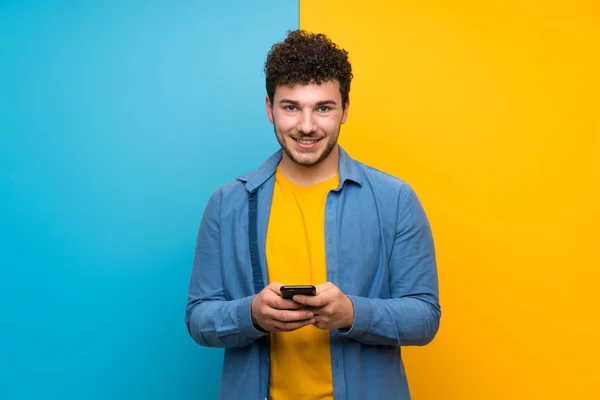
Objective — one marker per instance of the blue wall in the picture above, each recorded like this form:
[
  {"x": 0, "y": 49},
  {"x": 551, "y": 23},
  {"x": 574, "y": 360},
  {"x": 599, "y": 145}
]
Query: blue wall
[{"x": 117, "y": 121}]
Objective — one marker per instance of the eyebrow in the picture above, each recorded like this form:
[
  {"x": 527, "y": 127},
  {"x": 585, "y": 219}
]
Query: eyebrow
[{"x": 318, "y": 104}]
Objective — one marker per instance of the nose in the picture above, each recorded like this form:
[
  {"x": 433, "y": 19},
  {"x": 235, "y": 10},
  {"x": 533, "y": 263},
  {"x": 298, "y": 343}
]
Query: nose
[{"x": 306, "y": 124}]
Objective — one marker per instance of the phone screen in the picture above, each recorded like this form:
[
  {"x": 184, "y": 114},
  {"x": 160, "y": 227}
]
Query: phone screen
[{"x": 288, "y": 292}]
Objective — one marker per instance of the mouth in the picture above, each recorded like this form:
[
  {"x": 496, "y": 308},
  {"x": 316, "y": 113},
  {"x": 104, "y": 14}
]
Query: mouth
[{"x": 306, "y": 144}]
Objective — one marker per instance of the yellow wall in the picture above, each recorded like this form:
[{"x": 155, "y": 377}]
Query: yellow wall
[{"x": 491, "y": 111}]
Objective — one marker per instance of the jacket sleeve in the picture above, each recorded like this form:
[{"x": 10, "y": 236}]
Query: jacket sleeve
[
  {"x": 212, "y": 320},
  {"x": 411, "y": 317}
]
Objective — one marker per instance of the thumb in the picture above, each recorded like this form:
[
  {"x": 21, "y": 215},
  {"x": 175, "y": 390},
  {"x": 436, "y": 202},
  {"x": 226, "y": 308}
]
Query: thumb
[{"x": 275, "y": 287}]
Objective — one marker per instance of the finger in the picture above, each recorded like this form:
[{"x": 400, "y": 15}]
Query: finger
[
  {"x": 324, "y": 287},
  {"x": 312, "y": 301},
  {"x": 321, "y": 325},
  {"x": 321, "y": 311},
  {"x": 322, "y": 319},
  {"x": 290, "y": 316},
  {"x": 283, "y": 304},
  {"x": 291, "y": 326},
  {"x": 274, "y": 287}
]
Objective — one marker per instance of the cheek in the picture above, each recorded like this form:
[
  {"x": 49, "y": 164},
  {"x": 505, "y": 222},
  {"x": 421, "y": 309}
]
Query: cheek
[
  {"x": 284, "y": 123},
  {"x": 329, "y": 125}
]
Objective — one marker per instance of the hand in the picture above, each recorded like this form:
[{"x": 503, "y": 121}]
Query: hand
[
  {"x": 332, "y": 308},
  {"x": 272, "y": 313}
]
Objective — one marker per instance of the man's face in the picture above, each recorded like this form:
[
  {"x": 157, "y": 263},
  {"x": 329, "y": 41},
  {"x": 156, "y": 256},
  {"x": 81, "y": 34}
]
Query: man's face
[{"x": 307, "y": 120}]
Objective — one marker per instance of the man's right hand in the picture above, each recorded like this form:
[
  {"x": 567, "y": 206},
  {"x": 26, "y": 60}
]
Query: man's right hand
[{"x": 272, "y": 313}]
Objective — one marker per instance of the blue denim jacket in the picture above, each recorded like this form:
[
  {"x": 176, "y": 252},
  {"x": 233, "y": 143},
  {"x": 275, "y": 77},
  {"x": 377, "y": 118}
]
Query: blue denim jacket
[{"x": 379, "y": 251}]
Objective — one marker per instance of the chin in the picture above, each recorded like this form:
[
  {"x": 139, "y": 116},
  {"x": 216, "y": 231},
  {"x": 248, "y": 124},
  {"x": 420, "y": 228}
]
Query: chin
[
  {"x": 309, "y": 158},
  {"x": 304, "y": 161}
]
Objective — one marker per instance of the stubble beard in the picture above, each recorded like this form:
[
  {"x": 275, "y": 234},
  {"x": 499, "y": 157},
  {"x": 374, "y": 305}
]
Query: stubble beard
[{"x": 329, "y": 147}]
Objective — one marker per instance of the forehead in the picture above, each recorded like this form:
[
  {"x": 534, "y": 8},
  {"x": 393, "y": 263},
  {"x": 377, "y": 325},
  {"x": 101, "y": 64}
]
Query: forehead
[{"x": 309, "y": 93}]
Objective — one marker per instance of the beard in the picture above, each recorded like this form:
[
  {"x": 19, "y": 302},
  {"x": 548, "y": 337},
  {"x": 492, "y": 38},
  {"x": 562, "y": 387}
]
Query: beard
[{"x": 296, "y": 156}]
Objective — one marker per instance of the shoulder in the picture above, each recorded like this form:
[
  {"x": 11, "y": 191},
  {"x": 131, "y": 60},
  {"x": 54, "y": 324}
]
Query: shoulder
[
  {"x": 231, "y": 188},
  {"x": 250, "y": 180},
  {"x": 383, "y": 181},
  {"x": 231, "y": 194},
  {"x": 394, "y": 196}
]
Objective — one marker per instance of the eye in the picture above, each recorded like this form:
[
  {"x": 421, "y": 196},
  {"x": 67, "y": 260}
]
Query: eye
[
  {"x": 290, "y": 108},
  {"x": 324, "y": 109}
]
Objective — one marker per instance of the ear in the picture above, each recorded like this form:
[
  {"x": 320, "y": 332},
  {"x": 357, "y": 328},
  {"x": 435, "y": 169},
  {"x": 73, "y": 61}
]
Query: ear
[
  {"x": 269, "y": 108},
  {"x": 345, "y": 115}
]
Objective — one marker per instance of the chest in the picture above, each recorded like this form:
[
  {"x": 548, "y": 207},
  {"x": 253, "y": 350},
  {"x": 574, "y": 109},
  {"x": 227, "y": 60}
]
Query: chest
[
  {"x": 295, "y": 245},
  {"x": 345, "y": 239}
]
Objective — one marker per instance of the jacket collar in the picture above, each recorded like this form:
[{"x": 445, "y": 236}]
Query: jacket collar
[{"x": 349, "y": 170}]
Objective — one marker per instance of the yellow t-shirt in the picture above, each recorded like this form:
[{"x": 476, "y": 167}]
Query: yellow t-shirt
[{"x": 300, "y": 360}]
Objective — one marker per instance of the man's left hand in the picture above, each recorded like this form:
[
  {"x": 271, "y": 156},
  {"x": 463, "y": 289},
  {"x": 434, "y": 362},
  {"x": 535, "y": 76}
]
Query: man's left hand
[{"x": 332, "y": 309}]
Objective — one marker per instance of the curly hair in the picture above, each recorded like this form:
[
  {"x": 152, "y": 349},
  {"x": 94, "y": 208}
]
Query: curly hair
[{"x": 304, "y": 58}]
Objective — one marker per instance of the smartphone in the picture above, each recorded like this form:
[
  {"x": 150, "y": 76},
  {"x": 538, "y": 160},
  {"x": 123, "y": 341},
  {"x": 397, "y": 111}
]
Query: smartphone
[{"x": 287, "y": 292}]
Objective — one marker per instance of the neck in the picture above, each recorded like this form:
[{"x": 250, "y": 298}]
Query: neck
[{"x": 310, "y": 175}]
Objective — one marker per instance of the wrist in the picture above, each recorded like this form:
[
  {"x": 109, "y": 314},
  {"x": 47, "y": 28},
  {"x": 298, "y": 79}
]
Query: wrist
[
  {"x": 253, "y": 318},
  {"x": 349, "y": 320},
  {"x": 252, "y": 314}
]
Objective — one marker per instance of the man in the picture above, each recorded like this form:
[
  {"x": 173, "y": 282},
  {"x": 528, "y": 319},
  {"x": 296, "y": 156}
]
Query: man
[{"x": 311, "y": 215}]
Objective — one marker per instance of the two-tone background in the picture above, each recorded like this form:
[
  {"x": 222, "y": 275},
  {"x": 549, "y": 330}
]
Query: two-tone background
[{"x": 119, "y": 118}]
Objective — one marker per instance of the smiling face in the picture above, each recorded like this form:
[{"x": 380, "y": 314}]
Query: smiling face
[{"x": 307, "y": 121}]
